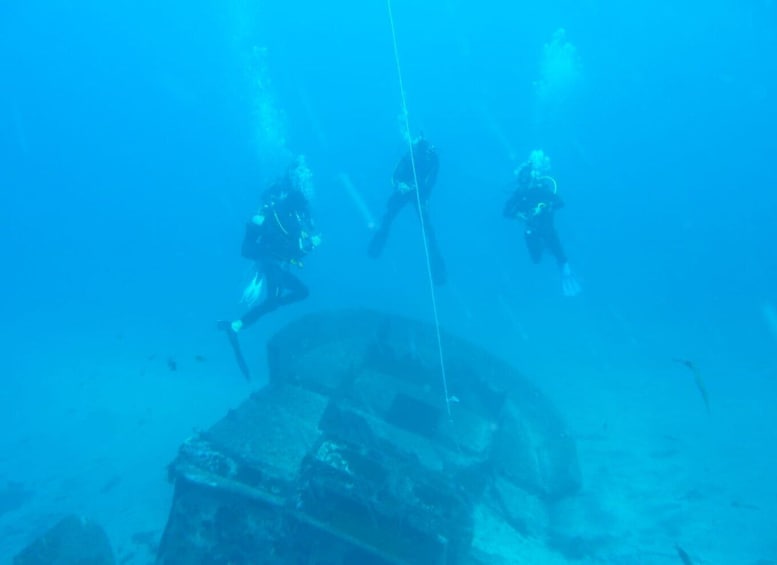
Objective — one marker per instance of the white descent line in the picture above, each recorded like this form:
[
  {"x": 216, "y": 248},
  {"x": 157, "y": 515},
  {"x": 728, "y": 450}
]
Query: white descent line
[{"x": 448, "y": 399}]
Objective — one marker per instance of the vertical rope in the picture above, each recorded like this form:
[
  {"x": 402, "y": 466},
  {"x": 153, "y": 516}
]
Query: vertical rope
[{"x": 420, "y": 214}]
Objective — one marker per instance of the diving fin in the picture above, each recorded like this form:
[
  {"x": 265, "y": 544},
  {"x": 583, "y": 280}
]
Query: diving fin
[
  {"x": 569, "y": 285},
  {"x": 226, "y": 326},
  {"x": 378, "y": 241}
]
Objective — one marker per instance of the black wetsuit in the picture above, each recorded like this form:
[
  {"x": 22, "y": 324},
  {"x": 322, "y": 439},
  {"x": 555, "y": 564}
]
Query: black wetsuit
[
  {"x": 535, "y": 202},
  {"x": 426, "y": 164},
  {"x": 281, "y": 240}
]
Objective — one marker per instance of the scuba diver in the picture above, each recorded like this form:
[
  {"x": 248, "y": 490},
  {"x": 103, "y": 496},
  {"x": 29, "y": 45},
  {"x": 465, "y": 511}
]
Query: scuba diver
[
  {"x": 535, "y": 201},
  {"x": 276, "y": 238},
  {"x": 405, "y": 192}
]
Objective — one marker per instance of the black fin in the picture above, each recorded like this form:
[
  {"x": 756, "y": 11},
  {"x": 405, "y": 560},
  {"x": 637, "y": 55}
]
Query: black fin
[{"x": 232, "y": 337}]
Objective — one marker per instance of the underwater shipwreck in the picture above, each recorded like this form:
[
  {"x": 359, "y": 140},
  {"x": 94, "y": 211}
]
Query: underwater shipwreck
[{"x": 349, "y": 455}]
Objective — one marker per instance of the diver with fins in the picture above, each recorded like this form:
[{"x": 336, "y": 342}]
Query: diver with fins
[
  {"x": 427, "y": 164},
  {"x": 535, "y": 201},
  {"x": 276, "y": 238}
]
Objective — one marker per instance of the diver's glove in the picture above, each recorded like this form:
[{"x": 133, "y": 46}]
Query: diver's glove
[
  {"x": 258, "y": 219},
  {"x": 569, "y": 284}
]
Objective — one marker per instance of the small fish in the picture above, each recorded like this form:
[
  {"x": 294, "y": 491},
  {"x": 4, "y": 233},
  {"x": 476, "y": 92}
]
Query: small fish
[
  {"x": 683, "y": 555},
  {"x": 697, "y": 379},
  {"x": 743, "y": 505},
  {"x": 172, "y": 365},
  {"x": 200, "y": 358},
  {"x": 667, "y": 453},
  {"x": 110, "y": 484},
  {"x": 694, "y": 495}
]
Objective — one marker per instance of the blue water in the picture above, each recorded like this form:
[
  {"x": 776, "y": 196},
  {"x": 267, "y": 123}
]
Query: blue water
[{"x": 136, "y": 137}]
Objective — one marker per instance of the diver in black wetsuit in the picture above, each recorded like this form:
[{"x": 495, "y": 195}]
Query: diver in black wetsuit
[
  {"x": 535, "y": 201},
  {"x": 276, "y": 238},
  {"x": 426, "y": 165}
]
